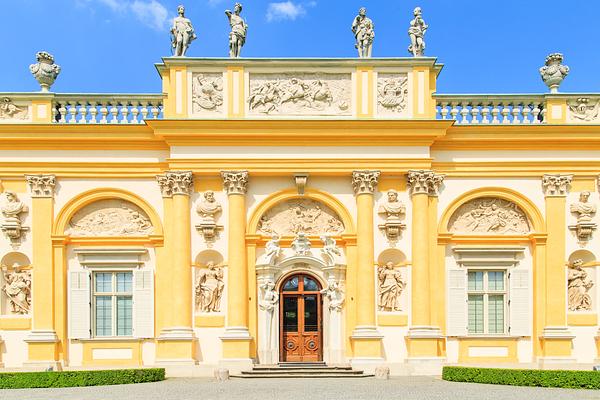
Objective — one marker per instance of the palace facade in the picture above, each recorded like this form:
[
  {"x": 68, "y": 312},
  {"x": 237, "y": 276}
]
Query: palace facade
[{"x": 269, "y": 210}]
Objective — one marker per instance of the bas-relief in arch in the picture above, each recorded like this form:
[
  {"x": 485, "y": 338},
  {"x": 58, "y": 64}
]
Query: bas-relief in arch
[
  {"x": 300, "y": 93},
  {"x": 307, "y": 216},
  {"x": 110, "y": 218},
  {"x": 490, "y": 215}
]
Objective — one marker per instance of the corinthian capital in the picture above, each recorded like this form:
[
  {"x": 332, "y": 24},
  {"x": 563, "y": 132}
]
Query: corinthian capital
[
  {"x": 365, "y": 181},
  {"x": 424, "y": 182},
  {"x": 41, "y": 185},
  {"x": 556, "y": 185},
  {"x": 175, "y": 182},
  {"x": 235, "y": 182}
]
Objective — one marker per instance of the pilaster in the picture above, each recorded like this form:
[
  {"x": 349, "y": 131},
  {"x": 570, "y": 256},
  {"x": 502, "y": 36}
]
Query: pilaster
[
  {"x": 237, "y": 339},
  {"x": 556, "y": 339},
  {"x": 366, "y": 339},
  {"x": 425, "y": 340},
  {"x": 176, "y": 343},
  {"x": 42, "y": 341}
]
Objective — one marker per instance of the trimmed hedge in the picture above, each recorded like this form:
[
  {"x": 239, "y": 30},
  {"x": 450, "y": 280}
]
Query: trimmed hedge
[
  {"x": 24, "y": 380},
  {"x": 524, "y": 377}
]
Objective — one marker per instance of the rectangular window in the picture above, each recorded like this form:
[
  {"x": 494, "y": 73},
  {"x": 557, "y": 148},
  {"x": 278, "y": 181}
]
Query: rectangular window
[
  {"x": 487, "y": 300},
  {"x": 113, "y": 304}
]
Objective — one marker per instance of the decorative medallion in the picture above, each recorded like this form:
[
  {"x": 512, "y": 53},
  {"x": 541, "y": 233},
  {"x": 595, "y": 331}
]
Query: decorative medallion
[
  {"x": 295, "y": 216},
  {"x": 110, "y": 218},
  {"x": 490, "y": 215}
]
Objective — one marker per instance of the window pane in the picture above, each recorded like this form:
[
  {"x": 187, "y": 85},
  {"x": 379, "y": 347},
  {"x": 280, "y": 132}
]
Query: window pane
[
  {"x": 124, "y": 316},
  {"x": 311, "y": 314},
  {"x": 496, "y": 314},
  {"x": 291, "y": 285},
  {"x": 124, "y": 282},
  {"x": 103, "y": 282},
  {"x": 290, "y": 314},
  {"x": 103, "y": 315},
  {"x": 475, "y": 280},
  {"x": 496, "y": 280},
  {"x": 310, "y": 285},
  {"x": 475, "y": 313}
]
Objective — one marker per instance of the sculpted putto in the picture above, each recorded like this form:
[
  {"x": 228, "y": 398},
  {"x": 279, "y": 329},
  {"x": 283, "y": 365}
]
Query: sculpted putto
[
  {"x": 239, "y": 28},
  {"x": 17, "y": 288},
  {"x": 209, "y": 289},
  {"x": 182, "y": 33},
  {"x": 579, "y": 285},
  {"x": 391, "y": 286},
  {"x": 416, "y": 32},
  {"x": 364, "y": 32}
]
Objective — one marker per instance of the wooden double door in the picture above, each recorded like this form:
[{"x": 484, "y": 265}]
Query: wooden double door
[{"x": 301, "y": 319}]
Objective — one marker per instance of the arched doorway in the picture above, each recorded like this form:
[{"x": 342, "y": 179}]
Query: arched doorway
[{"x": 301, "y": 319}]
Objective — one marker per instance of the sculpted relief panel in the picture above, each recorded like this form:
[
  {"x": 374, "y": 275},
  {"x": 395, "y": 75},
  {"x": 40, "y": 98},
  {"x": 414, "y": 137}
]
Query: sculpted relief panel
[
  {"x": 300, "y": 94},
  {"x": 110, "y": 218},
  {"x": 489, "y": 215},
  {"x": 295, "y": 216},
  {"x": 207, "y": 93},
  {"x": 392, "y": 97}
]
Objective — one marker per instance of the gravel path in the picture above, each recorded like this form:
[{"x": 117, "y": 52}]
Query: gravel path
[{"x": 401, "y": 388}]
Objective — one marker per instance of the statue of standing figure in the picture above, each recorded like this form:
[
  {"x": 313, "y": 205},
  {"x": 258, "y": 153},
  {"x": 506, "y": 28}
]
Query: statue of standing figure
[
  {"x": 237, "y": 36},
  {"x": 416, "y": 32},
  {"x": 364, "y": 32},
  {"x": 182, "y": 33}
]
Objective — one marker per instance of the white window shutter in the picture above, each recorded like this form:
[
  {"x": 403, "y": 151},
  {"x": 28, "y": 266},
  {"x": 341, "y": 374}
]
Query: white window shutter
[
  {"x": 457, "y": 303},
  {"x": 80, "y": 305},
  {"x": 519, "y": 309},
  {"x": 143, "y": 303}
]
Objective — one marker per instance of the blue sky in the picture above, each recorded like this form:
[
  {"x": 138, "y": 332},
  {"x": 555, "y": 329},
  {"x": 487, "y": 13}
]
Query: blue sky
[{"x": 486, "y": 46}]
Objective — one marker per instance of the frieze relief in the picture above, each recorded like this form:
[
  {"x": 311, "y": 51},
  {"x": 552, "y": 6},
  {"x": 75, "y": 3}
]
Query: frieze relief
[
  {"x": 392, "y": 99},
  {"x": 300, "y": 216},
  {"x": 583, "y": 110},
  {"x": 207, "y": 93},
  {"x": 300, "y": 94},
  {"x": 110, "y": 218},
  {"x": 489, "y": 215},
  {"x": 11, "y": 112}
]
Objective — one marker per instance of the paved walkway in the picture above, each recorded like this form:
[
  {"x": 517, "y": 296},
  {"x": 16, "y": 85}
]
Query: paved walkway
[{"x": 404, "y": 388}]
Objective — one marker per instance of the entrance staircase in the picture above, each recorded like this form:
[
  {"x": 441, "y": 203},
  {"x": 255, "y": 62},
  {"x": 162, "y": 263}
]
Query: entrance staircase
[{"x": 301, "y": 370}]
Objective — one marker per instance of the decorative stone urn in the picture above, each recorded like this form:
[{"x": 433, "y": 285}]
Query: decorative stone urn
[
  {"x": 45, "y": 71},
  {"x": 554, "y": 72}
]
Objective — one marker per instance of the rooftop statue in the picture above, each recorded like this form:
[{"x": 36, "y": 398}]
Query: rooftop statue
[
  {"x": 554, "y": 71},
  {"x": 416, "y": 32},
  {"x": 182, "y": 33},
  {"x": 364, "y": 32},
  {"x": 45, "y": 71},
  {"x": 237, "y": 36}
]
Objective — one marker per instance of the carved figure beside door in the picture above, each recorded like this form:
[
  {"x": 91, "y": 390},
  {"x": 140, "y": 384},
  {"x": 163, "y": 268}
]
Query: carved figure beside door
[{"x": 209, "y": 289}]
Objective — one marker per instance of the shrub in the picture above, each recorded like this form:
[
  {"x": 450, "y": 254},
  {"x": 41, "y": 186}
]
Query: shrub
[
  {"x": 23, "y": 380},
  {"x": 524, "y": 377}
]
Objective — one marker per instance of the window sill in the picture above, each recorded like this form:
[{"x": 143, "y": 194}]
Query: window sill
[{"x": 110, "y": 339}]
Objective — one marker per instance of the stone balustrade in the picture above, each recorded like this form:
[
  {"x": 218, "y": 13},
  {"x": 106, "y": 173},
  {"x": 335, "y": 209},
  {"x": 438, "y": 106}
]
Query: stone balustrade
[
  {"x": 491, "y": 109},
  {"x": 106, "y": 109}
]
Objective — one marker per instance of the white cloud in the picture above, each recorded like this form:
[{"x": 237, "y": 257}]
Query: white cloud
[
  {"x": 284, "y": 10},
  {"x": 150, "y": 13}
]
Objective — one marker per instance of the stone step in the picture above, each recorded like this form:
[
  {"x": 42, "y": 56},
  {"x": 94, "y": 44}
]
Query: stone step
[
  {"x": 305, "y": 375},
  {"x": 297, "y": 371}
]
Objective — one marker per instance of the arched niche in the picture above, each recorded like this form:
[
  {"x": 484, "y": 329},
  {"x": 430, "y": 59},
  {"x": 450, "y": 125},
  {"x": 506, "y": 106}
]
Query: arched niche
[
  {"x": 15, "y": 259},
  {"x": 391, "y": 255},
  {"x": 314, "y": 213},
  {"x": 206, "y": 256},
  {"x": 492, "y": 211},
  {"x": 586, "y": 256},
  {"x": 135, "y": 215}
]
